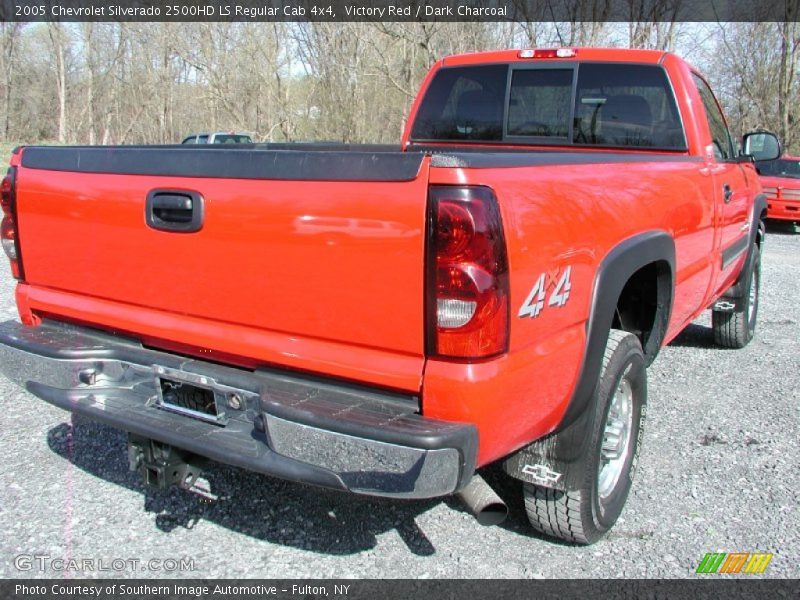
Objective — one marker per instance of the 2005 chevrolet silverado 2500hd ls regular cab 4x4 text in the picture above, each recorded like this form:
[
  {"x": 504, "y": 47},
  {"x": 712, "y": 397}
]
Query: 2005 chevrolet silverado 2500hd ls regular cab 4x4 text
[{"x": 385, "y": 321}]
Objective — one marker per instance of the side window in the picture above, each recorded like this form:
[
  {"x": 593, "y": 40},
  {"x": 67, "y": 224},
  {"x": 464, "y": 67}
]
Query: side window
[
  {"x": 203, "y": 139},
  {"x": 721, "y": 137},
  {"x": 539, "y": 102},
  {"x": 190, "y": 140}
]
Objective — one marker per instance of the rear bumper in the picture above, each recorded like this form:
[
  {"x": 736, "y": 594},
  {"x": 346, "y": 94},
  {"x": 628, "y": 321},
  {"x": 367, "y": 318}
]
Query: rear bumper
[{"x": 296, "y": 428}]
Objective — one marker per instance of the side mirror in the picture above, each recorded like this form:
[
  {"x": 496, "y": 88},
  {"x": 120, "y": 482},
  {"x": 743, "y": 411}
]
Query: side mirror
[{"x": 761, "y": 145}]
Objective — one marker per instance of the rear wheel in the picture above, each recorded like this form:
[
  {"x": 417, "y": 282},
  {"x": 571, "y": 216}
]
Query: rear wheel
[
  {"x": 735, "y": 329},
  {"x": 585, "y": 511}
]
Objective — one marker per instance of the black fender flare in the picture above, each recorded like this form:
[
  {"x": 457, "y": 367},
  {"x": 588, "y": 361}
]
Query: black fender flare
[
  {"x": 566, "y": 445},
  {"x": 736, "y": 293}
]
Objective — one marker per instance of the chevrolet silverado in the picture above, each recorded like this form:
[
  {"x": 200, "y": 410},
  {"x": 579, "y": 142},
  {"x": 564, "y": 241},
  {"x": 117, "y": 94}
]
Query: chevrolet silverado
[{"x": 387, "y": 320}]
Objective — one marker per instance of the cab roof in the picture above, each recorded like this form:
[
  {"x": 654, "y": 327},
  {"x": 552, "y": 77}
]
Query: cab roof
[{"x": 581, "y": 54}]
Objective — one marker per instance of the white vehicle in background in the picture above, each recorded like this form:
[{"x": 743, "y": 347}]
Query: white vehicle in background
[{"x": 219, "y": 137}]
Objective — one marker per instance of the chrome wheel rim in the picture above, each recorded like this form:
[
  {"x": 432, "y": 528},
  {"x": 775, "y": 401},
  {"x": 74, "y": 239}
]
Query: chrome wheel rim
[{"x": 616, "y": 439}]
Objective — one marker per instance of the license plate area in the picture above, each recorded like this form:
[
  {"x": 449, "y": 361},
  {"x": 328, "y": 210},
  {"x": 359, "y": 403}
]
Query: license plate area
[{"x": 190, "y": 395}]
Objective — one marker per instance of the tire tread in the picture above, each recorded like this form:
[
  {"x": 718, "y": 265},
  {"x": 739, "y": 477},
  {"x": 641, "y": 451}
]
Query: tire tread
[
  {"x": 555, "y": 513},
  {"x": 732, "y": 329},
  {"x": 560, "y": 514}
]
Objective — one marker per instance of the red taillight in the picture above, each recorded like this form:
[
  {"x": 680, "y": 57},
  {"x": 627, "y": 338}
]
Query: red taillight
[
  {"x": 8, "y": 228},
  {"x": 6, "y": 188},
  {"x": 467, "y": 274}
]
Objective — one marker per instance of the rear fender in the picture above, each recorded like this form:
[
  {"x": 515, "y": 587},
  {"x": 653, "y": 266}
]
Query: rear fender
[{"x": 547, "y": 461}]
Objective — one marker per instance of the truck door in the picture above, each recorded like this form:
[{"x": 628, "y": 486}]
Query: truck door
[{"x": 730, "y": 188}]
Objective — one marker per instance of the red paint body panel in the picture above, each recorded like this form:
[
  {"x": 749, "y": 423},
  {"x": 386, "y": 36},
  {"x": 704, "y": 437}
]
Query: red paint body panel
[
  {"x": 534, "y": 382},
  {"x": 514, "y": 399},
  {"x": 204, "y": 338},
  {"x": 291, "y": 261},
  {"x": 329, "y": 277}
]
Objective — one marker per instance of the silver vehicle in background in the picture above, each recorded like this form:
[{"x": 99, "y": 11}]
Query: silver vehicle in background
[{"x": 219, "y": 137}]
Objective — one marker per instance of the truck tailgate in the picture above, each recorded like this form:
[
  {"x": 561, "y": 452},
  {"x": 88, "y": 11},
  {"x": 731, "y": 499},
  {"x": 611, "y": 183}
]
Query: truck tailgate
[{"x": 322, "y": 246}]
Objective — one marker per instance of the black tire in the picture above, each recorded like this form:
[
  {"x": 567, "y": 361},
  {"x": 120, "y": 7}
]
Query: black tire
[
  {"x": 583, "y": 514},
  {"x": 735, "y": 329}
]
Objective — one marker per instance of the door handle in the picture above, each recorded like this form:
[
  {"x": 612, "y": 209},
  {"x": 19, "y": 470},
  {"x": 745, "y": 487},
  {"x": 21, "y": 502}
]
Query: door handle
[
  {"x": 176, "y": 211},
  {"x": 727, "y": 193}
]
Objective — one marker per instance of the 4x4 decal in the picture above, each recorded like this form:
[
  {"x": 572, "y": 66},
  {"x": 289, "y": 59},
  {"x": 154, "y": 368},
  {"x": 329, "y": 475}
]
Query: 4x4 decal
[{"x": 535, "y": 301}]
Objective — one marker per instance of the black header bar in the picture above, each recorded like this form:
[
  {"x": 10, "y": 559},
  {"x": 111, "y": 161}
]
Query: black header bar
[
  {"x": 235, "y": 161},
  {"x": 401, "y": 10}
]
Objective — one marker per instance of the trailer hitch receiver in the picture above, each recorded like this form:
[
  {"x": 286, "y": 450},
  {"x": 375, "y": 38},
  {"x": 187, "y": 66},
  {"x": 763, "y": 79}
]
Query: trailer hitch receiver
[{"x": 161, "y": 466}]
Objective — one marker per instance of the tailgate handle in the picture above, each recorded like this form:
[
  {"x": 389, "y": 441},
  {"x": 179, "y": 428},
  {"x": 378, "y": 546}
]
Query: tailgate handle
[{"x": 174, "y": 210}]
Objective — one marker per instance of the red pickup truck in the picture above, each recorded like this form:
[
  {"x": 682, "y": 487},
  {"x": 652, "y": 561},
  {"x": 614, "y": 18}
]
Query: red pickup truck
[
  {"x": 781, "y": 181},
  {"x": 385, "y": 321}
]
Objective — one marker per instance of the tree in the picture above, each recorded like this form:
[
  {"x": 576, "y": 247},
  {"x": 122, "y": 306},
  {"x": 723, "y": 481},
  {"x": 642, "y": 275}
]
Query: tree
[
  {"x": 60, "y": 41},
  {"x": 753, "y": 68},
  {"x": 9, "y": 36}
]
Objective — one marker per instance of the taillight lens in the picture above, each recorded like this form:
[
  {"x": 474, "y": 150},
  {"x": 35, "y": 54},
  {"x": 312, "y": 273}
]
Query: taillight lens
[
  {"x": 467, "y": 274},
  {"x": 9, "y": 238},
  {"x": 8, "y": 228}
]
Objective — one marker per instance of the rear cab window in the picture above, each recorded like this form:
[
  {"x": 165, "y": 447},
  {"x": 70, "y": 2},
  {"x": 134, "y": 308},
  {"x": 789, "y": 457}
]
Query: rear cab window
[
  {"x": 611, "y": 105},
  {"x": 464, "y": 103},
  {"x": 626, "y": 106},
  {"x": 539, "y": 103}
]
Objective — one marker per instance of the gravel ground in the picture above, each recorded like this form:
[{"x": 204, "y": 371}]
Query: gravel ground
[{"x": 718, "y": 472}]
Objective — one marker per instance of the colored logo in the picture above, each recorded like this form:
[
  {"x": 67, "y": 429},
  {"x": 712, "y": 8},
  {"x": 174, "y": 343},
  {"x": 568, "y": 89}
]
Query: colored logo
[{"x": 736, "y": 562}]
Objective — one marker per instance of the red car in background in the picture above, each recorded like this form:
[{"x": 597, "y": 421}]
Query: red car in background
[{"x": 781, "y": 181}]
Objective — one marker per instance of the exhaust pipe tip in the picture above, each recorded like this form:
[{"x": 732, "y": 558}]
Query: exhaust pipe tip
[
  {"x": 483, "y": 502},
  {"x": 493, "y": 514}
]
